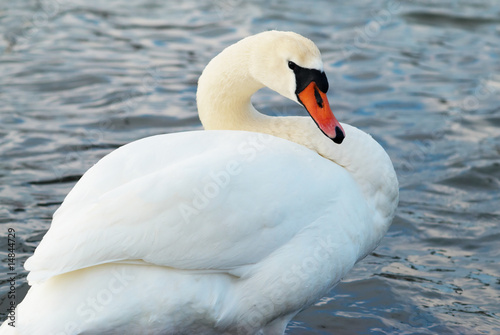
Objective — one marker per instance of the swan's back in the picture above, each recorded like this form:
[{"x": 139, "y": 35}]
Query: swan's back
[{"x": 163, "y": 205}]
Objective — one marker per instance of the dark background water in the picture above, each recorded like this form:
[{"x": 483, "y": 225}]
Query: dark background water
[{"x": 80, "y": 78}]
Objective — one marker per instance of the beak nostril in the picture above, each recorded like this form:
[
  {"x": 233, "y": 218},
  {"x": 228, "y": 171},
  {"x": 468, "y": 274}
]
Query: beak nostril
[{"x": 319, "y": 100}]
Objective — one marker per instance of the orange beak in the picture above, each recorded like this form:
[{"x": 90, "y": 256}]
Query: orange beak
[{"x": 318, "y": 107}]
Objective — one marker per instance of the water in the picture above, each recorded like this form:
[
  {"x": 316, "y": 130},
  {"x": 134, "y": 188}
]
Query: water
[{"x": 80, "y": 78}]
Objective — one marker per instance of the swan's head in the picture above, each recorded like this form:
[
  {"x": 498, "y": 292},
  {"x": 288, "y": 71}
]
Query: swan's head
[{"x": 291, "y": 65}]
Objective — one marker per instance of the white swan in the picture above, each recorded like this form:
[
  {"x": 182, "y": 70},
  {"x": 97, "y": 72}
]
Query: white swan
[{"x": 232, "y": 230}]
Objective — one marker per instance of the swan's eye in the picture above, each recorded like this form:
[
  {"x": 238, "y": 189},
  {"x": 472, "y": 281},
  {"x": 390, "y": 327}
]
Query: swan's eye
[{"x": 292, "y": 65}]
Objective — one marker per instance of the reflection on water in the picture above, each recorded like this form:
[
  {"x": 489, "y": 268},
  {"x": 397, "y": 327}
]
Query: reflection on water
[{"x": 80, "y": 78}]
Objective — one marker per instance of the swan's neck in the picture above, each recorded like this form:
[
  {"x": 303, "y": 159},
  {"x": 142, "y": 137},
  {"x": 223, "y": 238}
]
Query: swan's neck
[
  {"x": 372, "y": 169},
  {"x": 224, "y": 92}
]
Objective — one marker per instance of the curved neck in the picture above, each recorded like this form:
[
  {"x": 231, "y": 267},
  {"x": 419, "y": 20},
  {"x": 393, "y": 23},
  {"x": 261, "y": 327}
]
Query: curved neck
[{"x": 224, "y": 92}]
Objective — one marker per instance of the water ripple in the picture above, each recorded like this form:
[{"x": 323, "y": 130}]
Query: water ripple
[{"x": 82, "y": 78}]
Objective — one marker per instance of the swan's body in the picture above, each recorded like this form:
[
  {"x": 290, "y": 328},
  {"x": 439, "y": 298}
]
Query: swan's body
[{"x": 215, "y": 232}]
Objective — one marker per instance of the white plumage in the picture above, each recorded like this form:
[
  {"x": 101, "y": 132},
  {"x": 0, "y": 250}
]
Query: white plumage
[{"x": 217, "y": 231}]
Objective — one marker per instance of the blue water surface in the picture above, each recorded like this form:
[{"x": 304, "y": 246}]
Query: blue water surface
[{"x": 80, "y": 78}]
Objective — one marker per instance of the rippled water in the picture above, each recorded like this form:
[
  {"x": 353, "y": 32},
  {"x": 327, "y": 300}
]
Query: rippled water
[{"x": 80, "y": 78}]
